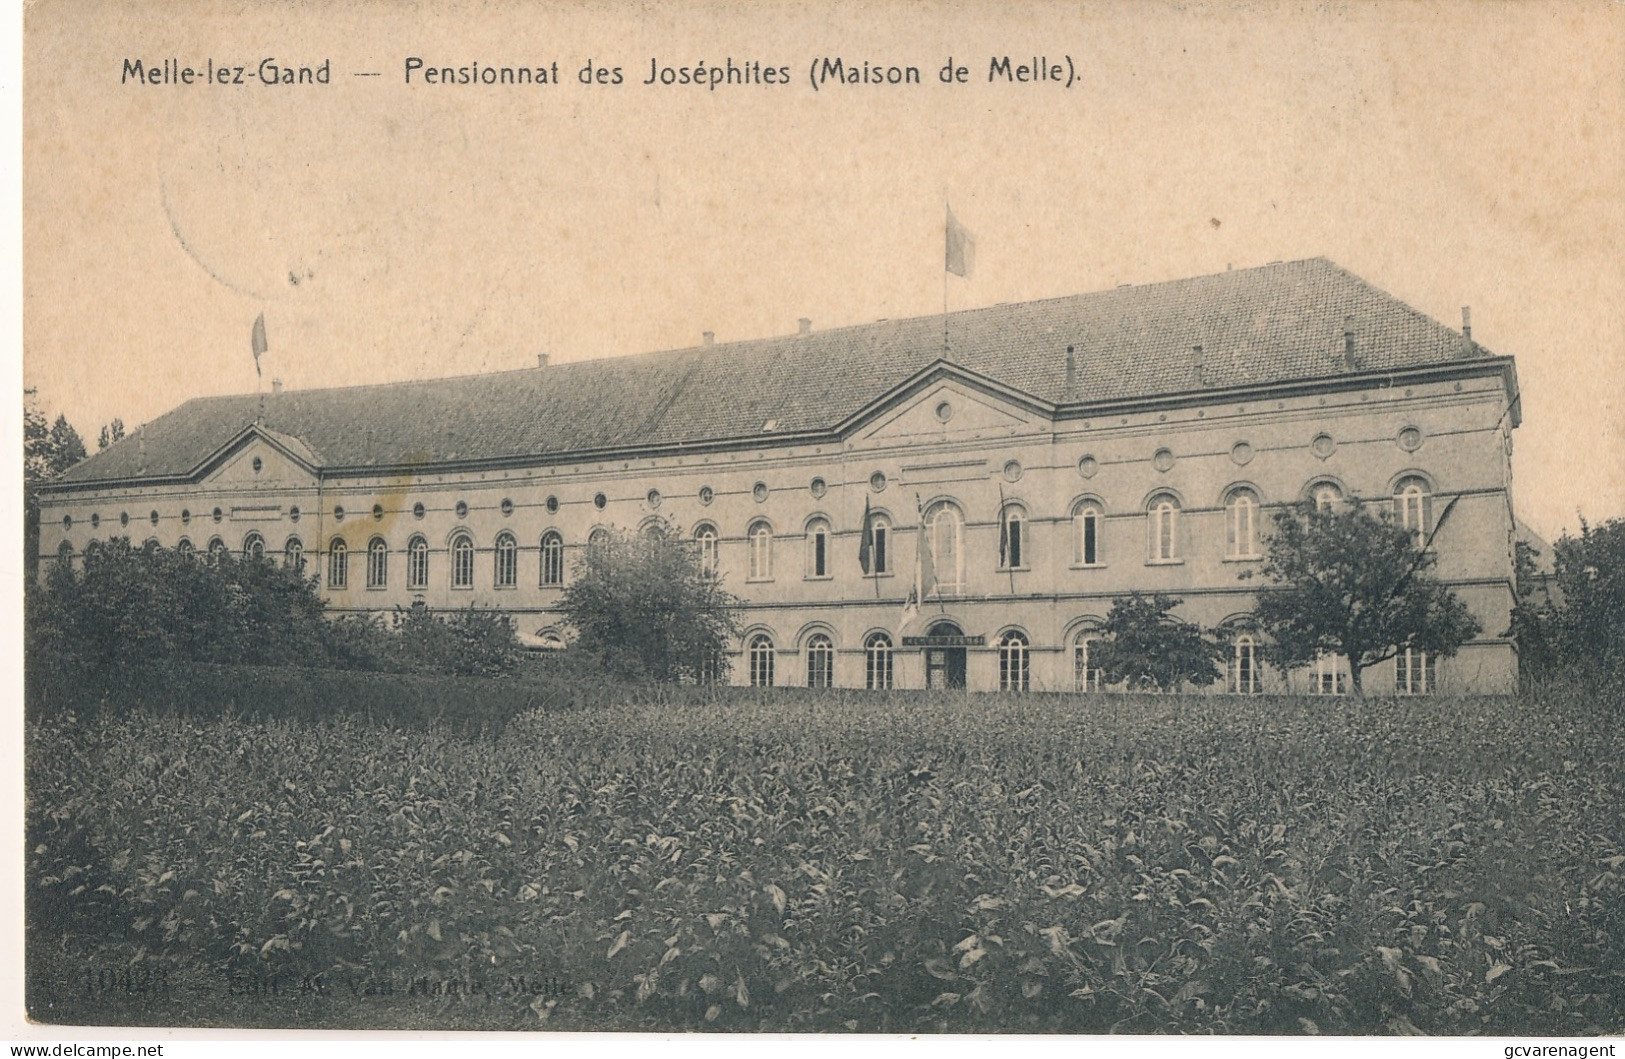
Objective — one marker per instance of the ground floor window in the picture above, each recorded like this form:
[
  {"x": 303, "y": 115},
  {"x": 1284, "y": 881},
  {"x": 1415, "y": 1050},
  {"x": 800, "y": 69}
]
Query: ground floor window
[
  {"x": 1014, "y": 671},
  {"x": 820, "y": 662},
  {"x": 1243, "y": 677},
  {"x": 877, "y": 662},
  {"x": 1085, "y": 677},
  {"x": 761, "y": 661},
  {"x": 1331, "y": 676},
  {"x": 1415, "y": 672}
]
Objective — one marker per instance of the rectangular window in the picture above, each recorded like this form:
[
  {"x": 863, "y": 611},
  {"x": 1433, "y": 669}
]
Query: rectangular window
[
  {"x": 820, "y": 546},
  {"x": 1012, "y": 542},
  {"x": 417, "y": 567},
  {"x": 337, "y": 568},
  {"x": 1090, "y": 554},
  {"x": 1415, "y": 672},
  {"x": 377, "y": 567},
  {"x": 879, "y": 549},
  {"x": 1331, "y": 676}
]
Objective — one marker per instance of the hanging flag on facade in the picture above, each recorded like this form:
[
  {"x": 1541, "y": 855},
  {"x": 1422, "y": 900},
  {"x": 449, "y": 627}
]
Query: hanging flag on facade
[
  {"x": 865, "y": 539},
  {"x": 259, "y": 343},
  {"x": 925, "y": 565},
  {"x": 961, "y": 248},
  {"x": 1004, "y": 531}
]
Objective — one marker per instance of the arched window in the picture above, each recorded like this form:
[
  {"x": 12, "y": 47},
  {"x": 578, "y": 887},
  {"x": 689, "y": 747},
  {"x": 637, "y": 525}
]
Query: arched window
[
  {"x": 874, "y": 550},
  {"x": 761, "y": 551},
  {"x": 217, "y": 549},
  {"x": 1013, "y": 666},
  {"x": 1012, "y": 520},
  {"x": 1331, "y": 676},
  {"x": 338, "y": 566},
  {"x": 254, "y": 547},
  {"x": 462, "y": 561},
  {"x": 761, "y": 661},
  {"x": 293, "y": 553},
  {"x": 705, "y": 538},
  {"x": 377, "y": 563},
  {"x": 1415, "y": 672},
  {"x": 598, "y": 538},
  {"x": 820, "y": 662},
  {"x": 1325, "y": 496},
  {"x": 1163, "y": 524},
  {"x": 507, "y": 561},
  {"x": 1241, "y": 524},
  {"x": 1085, "y": 676},
  {"x": 552, "y": 558},
  {"x": 64, "y": 553},
  {"x": 1243, "y": 671},
  {"x": 417, "y": 563},
  {"x": 945, "y": 532},
  {"x": 818, "y": 548},
  {"x": 1087, "y": 520},
  {"x": 1413, "y": 501},
  {"x": 182, "y": 547},
  {"x": 151, "y": 545},
  {"x": 877, "y": 662}
]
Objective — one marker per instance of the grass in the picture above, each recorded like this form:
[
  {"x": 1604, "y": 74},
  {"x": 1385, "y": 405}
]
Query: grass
[{"x": 842, "y": 861}]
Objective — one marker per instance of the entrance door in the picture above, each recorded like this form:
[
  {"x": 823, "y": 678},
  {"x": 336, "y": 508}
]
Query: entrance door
[{"x": 944, "y": 666}]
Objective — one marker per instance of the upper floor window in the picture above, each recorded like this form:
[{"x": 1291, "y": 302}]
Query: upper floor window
[
  {"x": 462, "y": 561},
  {"x": 1014, "y": 671},
  {"x": 1242, "y": 677},
  {"x": 877, "y": 666},
  {"x": 253, "y": 546},
  {"x": 820, "y": 662},
  {"x": 1085, "y": 675},
  {"x": 338, "y": 565},
  {"x": 1012, "y": 520},
  {"x": 506, "y": 574},
  {"x": 1241, "y": 524},
  {"x": 945, "y": 548},
  {"x": 1163, "y": 512},
  {"x": 1415, "y": 672},
  {"x": 417, "y": 563},
  {"x": 761, "y": 656},
  {"x": 874, "y": 550},
  {"x": 1413, "y": 502},
  {"x": 377, "y": 563},
  {"x": 1087, "y": 520},
  {"x": 818, "y": 548},
  {"x": 552, "y": 558},
  {"x": 705, "y": 538},
  {"x": 761, "y": 551}
]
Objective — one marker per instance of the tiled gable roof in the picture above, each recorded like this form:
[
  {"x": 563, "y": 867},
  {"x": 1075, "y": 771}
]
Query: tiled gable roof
[{"x": 1276, "y": 323}]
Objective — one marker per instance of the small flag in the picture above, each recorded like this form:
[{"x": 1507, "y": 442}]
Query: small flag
[
  {"x": 961, "y": 248},
  {"x": 925, "y": 566},
  {"x": 1004, "y": 531},
  {"x": 259, "y": 343},
  {"x": 865, "y": 539}
]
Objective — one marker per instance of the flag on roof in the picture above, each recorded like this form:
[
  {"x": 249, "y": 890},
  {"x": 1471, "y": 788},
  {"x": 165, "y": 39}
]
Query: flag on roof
[
  {"x": 961, "y": 247},
  {"x": 259, "y": 342}
]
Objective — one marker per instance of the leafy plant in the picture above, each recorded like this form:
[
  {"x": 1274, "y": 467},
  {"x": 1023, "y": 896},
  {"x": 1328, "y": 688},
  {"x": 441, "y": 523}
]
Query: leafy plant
[{"x": 1145, "y": 646}]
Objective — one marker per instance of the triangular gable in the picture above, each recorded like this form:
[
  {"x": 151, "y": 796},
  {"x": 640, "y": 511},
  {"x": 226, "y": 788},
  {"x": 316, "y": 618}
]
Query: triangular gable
[
  {"x": 946, "y": 400},
  {"x": 281, "y": 459}
]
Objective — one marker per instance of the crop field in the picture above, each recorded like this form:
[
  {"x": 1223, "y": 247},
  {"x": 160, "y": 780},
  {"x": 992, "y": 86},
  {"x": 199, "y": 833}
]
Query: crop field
[{"x": 842, "y": 861}]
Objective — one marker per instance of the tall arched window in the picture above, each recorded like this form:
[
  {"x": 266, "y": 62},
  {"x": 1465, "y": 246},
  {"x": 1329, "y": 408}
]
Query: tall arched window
[
  {"x": 1413, "y": 501},
  {"x": 377, "y": 563},
  {"x": 761, "y": 660},
  {"x": 462, "y": 561},
  {"x": 1325, "y": 496},
  {"x": 552, "y": 558},
  {"x": 877, "y": 662},
  {"x": 506, "y": 573},
  {"x": 1085, "y": 675},
  {"x": 417, "y": 563},
  {"x": 254, "y": 547},
  {"x": 761, "y": 551},
  {"x": 818, "y": 548},
  {"x": 1087, "y": 521},
  {"x": 1012, "y": 541},
  {"x": 1014, "y": 672},
  {"x": 945, "y": 533},
  {"x": 1241, "y": 524},
  {"x": 1243, "y": 670},
  {"x": 1163, "y": 524},
  {"x": 338, "y": 564},
  {"x": 293, "y": 554},
  {"x": 598, "y": 538},
  {"x": 705, "y": 539},
  {"x": 820, "y": 662}
]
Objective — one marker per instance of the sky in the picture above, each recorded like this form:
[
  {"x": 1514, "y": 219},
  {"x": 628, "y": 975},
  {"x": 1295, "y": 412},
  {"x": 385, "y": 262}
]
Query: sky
[{"x": 1453, "y": 154}]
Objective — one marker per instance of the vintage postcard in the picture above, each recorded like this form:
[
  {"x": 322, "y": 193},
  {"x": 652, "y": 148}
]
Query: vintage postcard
[{"x": 881, "y": 519}]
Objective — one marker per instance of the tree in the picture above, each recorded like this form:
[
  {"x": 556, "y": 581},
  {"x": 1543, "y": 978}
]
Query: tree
[
  {"x": 1573, "y": 622},
  {"x": 644, "y": 607},
  {"x": 1349, "y": 582},
  {"x": 111, "y": 434},
  {"x": 47, "y": 452},
  {"x": 1144, "y": 645}
]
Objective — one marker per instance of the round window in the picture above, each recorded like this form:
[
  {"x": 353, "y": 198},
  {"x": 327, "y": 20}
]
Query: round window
[
  {"x": 819, "y": 488},
  {"x": 1410, "y": 439},
  {"x": 293, "y": 514},
  {"x": 653, "y": 498},
  {"x": 1241, "y": 454},
  {"x": 759, "y": 491},
  {"x": 1323, "y": 446},
  {"x": 123, "y": 518},
  {"x": 1012, "y": 471},
  {"x": 1088, "y": 466},
  {"x": 599, "y": 500},
  {"x": 417, "y": 509},
  {"x": 945, "y": 411},
  {"x": 67, "y": 522},
  {"x": 153, "y": 518},
  {"x": 706, "y": 495},
  {"x": 552, "y": 505},
  {"x": 507, "y": 507},
  {"x": 338, "y": 513},
  {"x": 877, "y": 481},
  {"x": 259, "y": 465},
  {"x": 377, "y": 512},
  {"x": 217, "y": 514},
  {"x": 462, "y": 509},
  {"x": 1163, "y": 459},
  {"x": 186, "y": 516},
  {"x": 95, "y": 520}
]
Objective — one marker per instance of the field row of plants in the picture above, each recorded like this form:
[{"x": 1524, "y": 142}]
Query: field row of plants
[{"x": 828, "y": 861}]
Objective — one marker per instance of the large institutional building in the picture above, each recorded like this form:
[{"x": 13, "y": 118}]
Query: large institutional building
[{"x": 1027, "y": 462}]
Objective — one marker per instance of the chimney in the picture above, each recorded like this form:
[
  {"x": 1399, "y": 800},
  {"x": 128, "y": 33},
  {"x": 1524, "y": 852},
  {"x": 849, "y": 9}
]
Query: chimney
[
  {"x": 1071, "y": 375},
  {"x": 709, "y": 337},
  {"x": 276, "y": 385},
  {"x": 541, "y": 360},
  {"x": 1468, "y": 346},
  {"x": 1349, "y": 358},
  {"x": 804, "y": 326},
  {"x": 1198, "y": 366}
]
